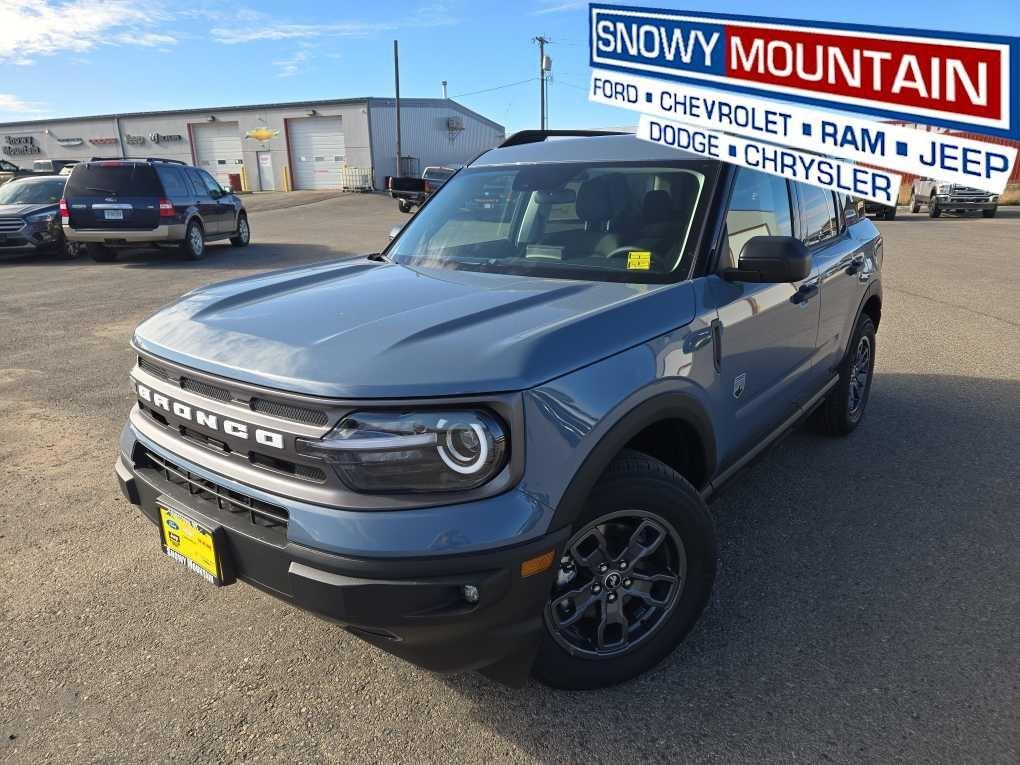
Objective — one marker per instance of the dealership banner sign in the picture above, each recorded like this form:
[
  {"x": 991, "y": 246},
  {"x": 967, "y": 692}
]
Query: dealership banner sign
[
  {"x": 961, "y": 81},
  {"x": 856, "y": 180},
  {"x": 953, "y": 158}
]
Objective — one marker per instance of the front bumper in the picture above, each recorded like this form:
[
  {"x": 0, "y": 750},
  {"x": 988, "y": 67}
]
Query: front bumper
[
  {"x": 412, "y": 607},
  {"x": 31, "y": 237},
  {"x": 947, "y": 202},
  {"x": 115, "y": 237}
]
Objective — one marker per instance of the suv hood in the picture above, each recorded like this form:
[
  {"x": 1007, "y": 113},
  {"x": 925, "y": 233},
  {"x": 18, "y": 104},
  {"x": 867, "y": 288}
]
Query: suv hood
[
  {"x": 18, "y": 211},
  {"x": 364, "y": 329}
]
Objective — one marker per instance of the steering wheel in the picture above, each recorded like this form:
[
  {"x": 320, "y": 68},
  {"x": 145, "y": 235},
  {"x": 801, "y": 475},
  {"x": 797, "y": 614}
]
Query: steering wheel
[{"x": 625, "y": 250}]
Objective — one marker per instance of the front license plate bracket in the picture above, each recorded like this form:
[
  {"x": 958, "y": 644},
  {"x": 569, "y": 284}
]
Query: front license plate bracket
[{"x": 197, "y": 546}]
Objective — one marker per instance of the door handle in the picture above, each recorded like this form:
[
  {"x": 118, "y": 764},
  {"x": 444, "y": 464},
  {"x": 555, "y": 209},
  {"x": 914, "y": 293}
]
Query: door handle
[
  {"x": 804, "y": 294},
  {"x": 855, "y": 265}
]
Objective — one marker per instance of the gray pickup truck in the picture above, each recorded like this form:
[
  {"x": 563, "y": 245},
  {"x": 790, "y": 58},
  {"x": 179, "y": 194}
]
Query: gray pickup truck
[{"x": 491, "y": 445}]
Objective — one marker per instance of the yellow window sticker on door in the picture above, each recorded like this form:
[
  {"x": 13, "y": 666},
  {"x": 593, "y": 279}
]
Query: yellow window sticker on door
[{"x": 639, "y": 260}]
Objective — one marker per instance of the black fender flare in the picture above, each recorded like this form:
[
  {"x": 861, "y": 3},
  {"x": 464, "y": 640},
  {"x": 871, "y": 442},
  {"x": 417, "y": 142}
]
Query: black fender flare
[
  {"x": 669, "y": 405},
  {"x": 874, "y": 289}
]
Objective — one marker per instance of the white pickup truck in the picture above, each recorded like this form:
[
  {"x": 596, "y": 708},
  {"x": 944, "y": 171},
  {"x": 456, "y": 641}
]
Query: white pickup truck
[{"x": 950, "y": 197}]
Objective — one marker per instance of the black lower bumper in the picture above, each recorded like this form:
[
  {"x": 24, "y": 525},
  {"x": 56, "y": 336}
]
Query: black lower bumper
[{"x": 414, "y": 608}]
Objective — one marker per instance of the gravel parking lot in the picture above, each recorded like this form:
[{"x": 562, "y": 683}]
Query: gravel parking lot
[{"x": 868, "y": 607}]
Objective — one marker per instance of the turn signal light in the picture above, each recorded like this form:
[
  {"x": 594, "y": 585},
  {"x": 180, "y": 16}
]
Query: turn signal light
[
  {"x": 538, "y": 564},
  {"x": 166, "y": 208},
  {"x": 64, "y": 214}
]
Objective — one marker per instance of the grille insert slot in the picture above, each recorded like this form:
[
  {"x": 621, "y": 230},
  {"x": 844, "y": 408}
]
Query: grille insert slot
[
  {"x": 260, "y": 513},
  {"x": 289, "y": 411},
  {"x": 155, "y": 370},
  {"x": 205, "y": 389}
]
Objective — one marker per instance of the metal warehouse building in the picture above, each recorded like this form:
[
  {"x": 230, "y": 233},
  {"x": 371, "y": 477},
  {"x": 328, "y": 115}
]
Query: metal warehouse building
[{"x": 345, "y": 143}]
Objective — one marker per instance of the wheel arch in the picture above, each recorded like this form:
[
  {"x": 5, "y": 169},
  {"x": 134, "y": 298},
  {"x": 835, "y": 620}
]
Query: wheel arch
[{"x": 679, "y": 414}]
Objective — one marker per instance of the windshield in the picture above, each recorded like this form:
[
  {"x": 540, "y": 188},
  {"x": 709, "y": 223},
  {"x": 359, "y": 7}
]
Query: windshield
[
  {"x": 632, "y": 222},
  {"x": 32, "y": 192}
]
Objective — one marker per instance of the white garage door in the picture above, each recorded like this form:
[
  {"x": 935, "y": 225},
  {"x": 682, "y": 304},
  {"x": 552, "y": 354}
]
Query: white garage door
[
  {"x": 316, "y": 152},
  {"x": 218, "y": 149}
]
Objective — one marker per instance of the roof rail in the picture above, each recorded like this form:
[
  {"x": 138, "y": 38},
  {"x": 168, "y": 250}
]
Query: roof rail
[
  {"x": 136, "y": 159},
  {"x": 535, "y": 136}
]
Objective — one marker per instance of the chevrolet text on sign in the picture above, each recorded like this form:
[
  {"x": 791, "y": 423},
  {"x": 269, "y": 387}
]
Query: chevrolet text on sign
[
  {"x": 950, "y": 158},
  {"x": 960, "y": 81}
]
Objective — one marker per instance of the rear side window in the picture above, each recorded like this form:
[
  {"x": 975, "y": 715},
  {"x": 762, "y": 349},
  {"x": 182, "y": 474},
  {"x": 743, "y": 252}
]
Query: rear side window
[
  {"x": 818, "y": 214},
  {"x": 116, "y": 179},
  {"x": 197, "y": 182},
  {"x": 173, "y": 182},
  {"x": 437, "y": 174},
  {"x": 759, "y": 206}
]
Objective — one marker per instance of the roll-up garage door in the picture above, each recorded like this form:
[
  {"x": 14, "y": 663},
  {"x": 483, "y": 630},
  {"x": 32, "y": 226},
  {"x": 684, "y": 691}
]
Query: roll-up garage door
[
  {"x": 316, "y": 152},
  {"x": 218, "y": 149}
]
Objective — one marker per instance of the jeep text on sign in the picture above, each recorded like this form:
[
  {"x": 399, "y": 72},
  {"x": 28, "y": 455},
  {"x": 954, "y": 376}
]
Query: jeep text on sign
[{"x": 954, "y": 80}]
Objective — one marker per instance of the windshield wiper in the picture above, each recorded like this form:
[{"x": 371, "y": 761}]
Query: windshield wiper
[
  {"x": 378, "y": 256},
  {"x": 105, "y": 191}
]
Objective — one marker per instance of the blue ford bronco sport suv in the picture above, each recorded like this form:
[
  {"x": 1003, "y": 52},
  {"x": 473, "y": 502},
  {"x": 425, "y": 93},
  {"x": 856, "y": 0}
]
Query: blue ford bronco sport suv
[{"x": 491, "y": 445}]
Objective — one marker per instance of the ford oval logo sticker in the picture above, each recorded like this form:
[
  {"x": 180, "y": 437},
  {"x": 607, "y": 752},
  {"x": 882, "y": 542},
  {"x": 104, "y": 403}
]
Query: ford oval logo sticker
[{"x": 172, "y": 524}]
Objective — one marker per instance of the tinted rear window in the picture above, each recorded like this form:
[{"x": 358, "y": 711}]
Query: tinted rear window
[
  {"x": 127, "y": 180},
  {"x": 173, "y": 182}
]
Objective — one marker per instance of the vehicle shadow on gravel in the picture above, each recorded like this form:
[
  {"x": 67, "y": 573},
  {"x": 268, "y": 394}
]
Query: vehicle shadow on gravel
[{"x": 853, "y": 570}]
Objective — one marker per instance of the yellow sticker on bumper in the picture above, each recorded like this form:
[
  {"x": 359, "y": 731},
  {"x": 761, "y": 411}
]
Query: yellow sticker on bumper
[
  {"x": 189, "y": 544},
  {"x": 639, "y": 260}
]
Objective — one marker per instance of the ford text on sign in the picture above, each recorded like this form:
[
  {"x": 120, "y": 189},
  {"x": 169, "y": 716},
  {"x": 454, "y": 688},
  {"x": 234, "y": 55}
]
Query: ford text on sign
[{"x": 960, "y": 81}]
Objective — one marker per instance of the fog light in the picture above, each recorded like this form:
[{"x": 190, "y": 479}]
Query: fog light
[{"x": 470, "y": 592}]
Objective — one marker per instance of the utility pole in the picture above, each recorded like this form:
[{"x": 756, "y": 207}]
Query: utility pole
[
  {"x": 541, "y": 79},
  {"x": 396, "y": 81}
]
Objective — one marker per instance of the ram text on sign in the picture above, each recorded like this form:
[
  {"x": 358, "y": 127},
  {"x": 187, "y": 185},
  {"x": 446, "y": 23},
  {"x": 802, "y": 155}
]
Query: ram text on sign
[
  {"x": 942, "y": 156},
  {"x": 967, "y": 82},
  {"x": 864, "y": 182}
]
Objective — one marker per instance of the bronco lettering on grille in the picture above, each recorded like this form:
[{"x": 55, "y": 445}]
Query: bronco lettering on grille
[{"x": 208, "y": 420}]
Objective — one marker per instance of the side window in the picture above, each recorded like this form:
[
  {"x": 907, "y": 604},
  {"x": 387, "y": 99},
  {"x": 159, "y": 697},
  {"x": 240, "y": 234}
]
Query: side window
[
  {"x": 818, "y": 214},
  {"x": 210, "y": 183},
  {"x": 173, "y": 182},
  {"x": 197, "y": 182},
  {"x": 849, "y": 205},
  {"x": 759, "y": 206}
]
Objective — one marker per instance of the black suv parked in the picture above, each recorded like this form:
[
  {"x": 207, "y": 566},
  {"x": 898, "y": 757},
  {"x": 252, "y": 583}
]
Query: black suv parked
[{"x": 121, "y": 203}]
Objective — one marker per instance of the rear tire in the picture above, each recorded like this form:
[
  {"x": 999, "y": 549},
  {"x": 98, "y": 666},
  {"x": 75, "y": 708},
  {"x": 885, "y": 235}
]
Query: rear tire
[
  {"x": 990, "y": 213},
  {"x": 890, "y": 213},
  {"x": 915, "y": 206},
  {"x": 404, "y": 207},
  {"x": 193, "y": 246},
  {"x": 934, "y": 210},
  {"x": 847, "y": 402},
  {"x": 652, "y": 531},
  {"x": 101, "y": 253},
  {"x": 243, "y": 235}
]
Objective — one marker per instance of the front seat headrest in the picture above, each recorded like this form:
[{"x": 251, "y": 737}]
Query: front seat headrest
[
  {"x": 600, "y": 199},
  {"x": 657, "y": 207}
]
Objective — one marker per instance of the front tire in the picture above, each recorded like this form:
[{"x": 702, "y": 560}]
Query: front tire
[
  {"x": 890, "y": 213},
  {"x": 846, "y": 403},
  {"x": 915, "y": 206},
  {"x": 634, "y": 578},
  {"x": 243, "y": 235},
  {"x": 100, "y": 253},
  {"x": 989, "y": 213},
  {"x": 934, "y": 210},
  {"x": 404, "y": 207},
  {"x": 193, "y": 246}
]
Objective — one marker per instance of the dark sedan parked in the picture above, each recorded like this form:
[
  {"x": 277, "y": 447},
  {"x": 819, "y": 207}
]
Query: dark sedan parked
[{"x": 29, "y": 216}]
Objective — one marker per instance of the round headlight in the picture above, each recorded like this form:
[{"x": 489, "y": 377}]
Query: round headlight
[{"x": 420, "y": 451}]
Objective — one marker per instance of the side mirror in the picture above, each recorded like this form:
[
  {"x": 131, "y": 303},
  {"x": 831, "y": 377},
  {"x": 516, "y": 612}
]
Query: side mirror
[
  {"x": 771, "y": 260},
  {"x": 394, "y": 231},
  {"x": 227, "y": 190}
]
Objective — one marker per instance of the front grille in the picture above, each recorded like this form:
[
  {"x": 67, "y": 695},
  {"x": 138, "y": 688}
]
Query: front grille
[
  {"x": 259, "y": 513},
  {"x": 204, "y": 389},
  {"x": 154, "y": 370},
  {"x": 289, "y": 412},
  {"x": 10, "y": 225}
]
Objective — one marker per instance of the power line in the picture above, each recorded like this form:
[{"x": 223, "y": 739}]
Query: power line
[{"x": 498, "y": 87}]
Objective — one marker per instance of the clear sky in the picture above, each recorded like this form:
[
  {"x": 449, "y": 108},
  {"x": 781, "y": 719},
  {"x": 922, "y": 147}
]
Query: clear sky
[{"x": 79, "y": 57}]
